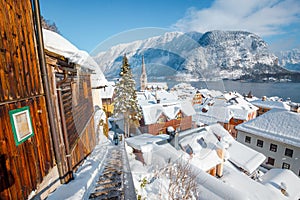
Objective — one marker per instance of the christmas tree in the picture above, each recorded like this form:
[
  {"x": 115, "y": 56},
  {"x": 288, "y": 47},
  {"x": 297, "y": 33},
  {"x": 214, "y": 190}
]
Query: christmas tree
[{"x": 125, "y": 103}]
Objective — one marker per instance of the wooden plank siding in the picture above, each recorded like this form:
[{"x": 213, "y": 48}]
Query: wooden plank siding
[
  {"x": 29, "y": 162},
  {"x": 181, "y": 124},
  {"x": 22, "y": 167},
  {"x": 76, "y": 96}
]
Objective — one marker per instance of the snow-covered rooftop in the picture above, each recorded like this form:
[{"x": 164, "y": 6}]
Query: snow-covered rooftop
[
  {"x": 58, "y": 44},
  {"x": 151, "y": 112},
  {"x": 140, "y": 140},
  {"x": 157, "y": 85},
  {"x": 107, "y": 92},
  {"x": 203, "y": 145},
  {"x": 239, "y": 154},
  {"x": 271, "y": 104},
  {"x": 277, "y": 124},
  {"x": 277, "y": 178},
  {"x": 223, "y": 108},
  {"x": 245, "y": 157},
  {"x": 232, "y": 185}
]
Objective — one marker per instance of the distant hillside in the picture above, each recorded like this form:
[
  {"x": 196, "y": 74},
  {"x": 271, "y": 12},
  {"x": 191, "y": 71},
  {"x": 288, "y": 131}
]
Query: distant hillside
[
  {"x": 290, "y": 59},
  {"x": 212, "y": 55}
]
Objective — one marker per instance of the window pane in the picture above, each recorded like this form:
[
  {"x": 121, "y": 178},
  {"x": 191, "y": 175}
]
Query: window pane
[
  {"x": 260, "y": 143},
  {"x": 273, "y": 147},
  {"x": 285, "y": 166},
  {"x": 288, "y": 152},
  {"x": 248, "y": 139},
  {"x": 271, "y": 161}
]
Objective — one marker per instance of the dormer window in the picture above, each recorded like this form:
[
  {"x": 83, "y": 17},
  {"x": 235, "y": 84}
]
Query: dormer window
[{"x": 202, "y": 142}]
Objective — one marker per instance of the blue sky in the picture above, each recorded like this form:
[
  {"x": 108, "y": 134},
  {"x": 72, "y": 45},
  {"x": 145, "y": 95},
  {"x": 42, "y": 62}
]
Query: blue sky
[{"x": 90, "y": 23}]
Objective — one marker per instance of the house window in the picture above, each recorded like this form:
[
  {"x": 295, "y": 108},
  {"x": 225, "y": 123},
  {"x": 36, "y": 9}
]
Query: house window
[
  {"x": 188, "y": 149},
  {"x": 285, "y": 166},
  {"x": 260, "y": 143},
  {"x": 248, "y": 139},
  {"x": 288, "y": 152},
  {"x": 161, "y": 120},
  {"x": 271, "y": 161},
  {"x": 273, "y": 147}
]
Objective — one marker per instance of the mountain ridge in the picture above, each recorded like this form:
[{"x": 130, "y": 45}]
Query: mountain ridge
[{"x": 214, "y": 54}]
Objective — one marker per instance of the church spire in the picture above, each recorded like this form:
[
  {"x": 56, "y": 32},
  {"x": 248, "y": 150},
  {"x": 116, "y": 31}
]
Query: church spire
[{"x": 143, "y": 75}]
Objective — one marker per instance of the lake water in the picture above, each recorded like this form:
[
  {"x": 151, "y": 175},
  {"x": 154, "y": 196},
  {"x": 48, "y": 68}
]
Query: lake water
[{"x": 281, "y": 89}]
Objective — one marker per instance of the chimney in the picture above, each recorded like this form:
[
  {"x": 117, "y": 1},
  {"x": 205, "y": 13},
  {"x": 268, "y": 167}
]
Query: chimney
[
  {"x": 157, "y": 97},
  {"x": 294, "y": 107},
  {"x": 283, "y": 188},
  {"x": 221, "y": 154}
]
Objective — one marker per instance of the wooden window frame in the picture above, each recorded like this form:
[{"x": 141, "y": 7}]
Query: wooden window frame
[{"x": 21, "y": 123}]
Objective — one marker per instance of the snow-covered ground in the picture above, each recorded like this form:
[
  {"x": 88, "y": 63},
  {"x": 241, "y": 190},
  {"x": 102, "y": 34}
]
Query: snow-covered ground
[{"x": 87, "y": 173}]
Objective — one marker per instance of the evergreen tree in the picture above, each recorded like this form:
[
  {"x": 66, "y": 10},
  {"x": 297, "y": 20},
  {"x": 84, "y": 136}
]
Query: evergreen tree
[{"x": 125, "y": 102}]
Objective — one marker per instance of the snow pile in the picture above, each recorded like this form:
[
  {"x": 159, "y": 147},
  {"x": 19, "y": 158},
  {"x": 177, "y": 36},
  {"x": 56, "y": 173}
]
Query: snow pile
[
  {"x": 153, "y": 179},
  {"x": 83, "y": 179},
  {"x": 222, "y": 108},
  {"x": 57, "y": 44},
  {"x": 152, "y": 112}
]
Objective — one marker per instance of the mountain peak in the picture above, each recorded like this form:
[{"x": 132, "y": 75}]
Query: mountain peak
[{"x": 215, "y": 53}]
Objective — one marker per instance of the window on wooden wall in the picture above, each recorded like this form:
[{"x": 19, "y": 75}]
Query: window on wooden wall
[
  {"x": 285, "y": 165},
  {"x": 288, "y": 152},
  {"x": 235, "y": 121},
  {"x": 179, "y": 116},
  {"x": 161, "y": 120},
  {"x": 273, "y": 147},
  {"x": 270, "y": 161},
  {"x": 260, "y": 143},
  {"x": 248, "y": 139}
]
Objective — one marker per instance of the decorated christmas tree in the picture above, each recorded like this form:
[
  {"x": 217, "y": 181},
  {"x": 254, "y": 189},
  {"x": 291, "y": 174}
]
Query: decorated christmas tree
[{"x": 125, "y": 102}]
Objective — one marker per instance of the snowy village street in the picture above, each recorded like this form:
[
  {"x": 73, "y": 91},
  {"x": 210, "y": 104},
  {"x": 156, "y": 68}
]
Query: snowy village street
[
  {"x": 103, "y": 175},
  {"x": 149, "y": 100}
]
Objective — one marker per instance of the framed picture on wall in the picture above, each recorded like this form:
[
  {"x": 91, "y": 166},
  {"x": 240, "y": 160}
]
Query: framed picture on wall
[{"x": 21, "y": 124}]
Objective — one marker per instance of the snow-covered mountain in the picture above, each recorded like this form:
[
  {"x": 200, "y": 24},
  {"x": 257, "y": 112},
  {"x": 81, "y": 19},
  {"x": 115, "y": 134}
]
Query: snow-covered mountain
[
  {"x": 290, "y": 59},
  {"x": 215, "y": 54}
]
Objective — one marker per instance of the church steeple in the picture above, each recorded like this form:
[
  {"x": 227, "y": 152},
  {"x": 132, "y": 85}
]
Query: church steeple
[{"x": 143, "y": 76}]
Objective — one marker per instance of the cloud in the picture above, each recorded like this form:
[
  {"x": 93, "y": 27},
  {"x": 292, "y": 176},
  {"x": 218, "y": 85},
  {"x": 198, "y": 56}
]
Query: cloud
[{"x": 263, "y": 17}]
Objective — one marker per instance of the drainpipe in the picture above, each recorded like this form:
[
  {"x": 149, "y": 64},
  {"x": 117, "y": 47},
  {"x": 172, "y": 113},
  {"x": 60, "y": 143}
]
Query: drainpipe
[{"x": 40, "y": 48}]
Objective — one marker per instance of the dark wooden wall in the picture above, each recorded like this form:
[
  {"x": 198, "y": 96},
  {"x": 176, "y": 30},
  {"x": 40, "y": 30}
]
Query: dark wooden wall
[
  {"x": 22, "y": 167},
  {"x": 78, "y": 111}
]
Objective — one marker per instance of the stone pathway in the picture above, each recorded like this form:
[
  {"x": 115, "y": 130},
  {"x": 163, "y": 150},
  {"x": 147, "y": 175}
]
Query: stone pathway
[{"x": 115, "y": 181}]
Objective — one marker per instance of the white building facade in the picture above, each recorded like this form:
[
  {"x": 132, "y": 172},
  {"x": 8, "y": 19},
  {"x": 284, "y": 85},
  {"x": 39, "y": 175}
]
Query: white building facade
[{"x": 276, "y": 134}]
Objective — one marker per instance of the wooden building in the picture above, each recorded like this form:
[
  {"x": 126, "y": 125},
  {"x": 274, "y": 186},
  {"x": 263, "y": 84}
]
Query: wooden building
[
  {"x": 25, "y": 142},
  {"x": 74, "y": 114},
  {"x": 107, "y": 95},
  {"x": 158, "y": 117},
  {"x": 46, "y": 107}
]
